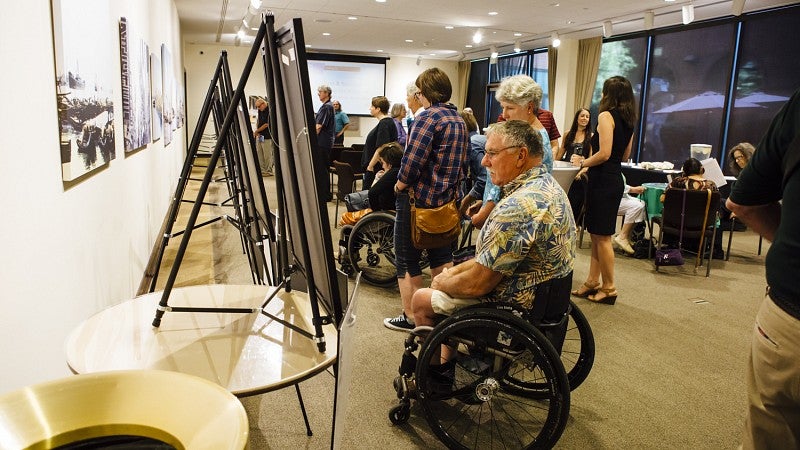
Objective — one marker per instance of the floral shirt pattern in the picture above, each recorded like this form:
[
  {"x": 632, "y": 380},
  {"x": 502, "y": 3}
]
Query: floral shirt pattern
[{"x": 529, "y": 237}]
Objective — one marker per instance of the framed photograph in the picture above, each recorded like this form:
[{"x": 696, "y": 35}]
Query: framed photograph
[
  {"x": 168, "y": 94},
  {"x": 135, "y": 69},
  {"x": 156, "y": 97},
  {"x": 83, "y": 39}
]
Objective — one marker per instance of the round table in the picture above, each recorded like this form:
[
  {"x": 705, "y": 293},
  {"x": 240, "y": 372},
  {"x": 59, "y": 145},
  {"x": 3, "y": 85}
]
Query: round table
[{"x": 247, "y": 354}]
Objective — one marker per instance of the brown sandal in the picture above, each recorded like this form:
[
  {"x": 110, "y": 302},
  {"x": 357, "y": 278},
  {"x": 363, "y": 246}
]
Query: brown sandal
[
  {"x": 585, "y": 290},
  {"x": 609, "y": 296}
]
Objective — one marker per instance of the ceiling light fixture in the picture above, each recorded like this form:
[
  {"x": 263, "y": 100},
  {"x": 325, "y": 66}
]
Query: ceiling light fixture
[
  {"x": 517, "y": 47},
  {"x": 737, "y": 7},
  {"x": 468, "y": 46},
  {"x": 448, "y": 27},
  {"x": 477, "y": 37},
  {"x": 517, "y": 34},
  {"x": 492, "y": 13},
  {"x": 649, "y": 19},
  {"x": 608, "y": 29},
  {"x": 380, "y": 51},
  {"x": 687, "y": 11},
  {"x": 352, "y": 18},
  {"x": 326, "y": 34},
  {"x": 555, "y": 40},
  {"x": 409, "y": 40},
  {"x": 493, "y": 54}
]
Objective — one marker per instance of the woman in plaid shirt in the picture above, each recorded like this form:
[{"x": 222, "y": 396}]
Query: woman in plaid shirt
[{"x": 432, "y": 167}]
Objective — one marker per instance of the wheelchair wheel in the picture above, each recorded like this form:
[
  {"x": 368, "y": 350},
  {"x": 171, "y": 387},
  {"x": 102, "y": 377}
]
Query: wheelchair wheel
[
  {"x": 467, "y": 404},
  {"x": 577, "y": 354},
  {"x": 371, "y": 249}
]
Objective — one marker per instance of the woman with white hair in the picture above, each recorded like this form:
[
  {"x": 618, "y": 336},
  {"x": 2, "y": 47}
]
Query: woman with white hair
[{"x": 521, "y": 99}]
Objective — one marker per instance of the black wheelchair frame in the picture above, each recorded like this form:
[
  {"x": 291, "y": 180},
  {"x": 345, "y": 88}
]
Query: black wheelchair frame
[{"x": 508, "y": 385}]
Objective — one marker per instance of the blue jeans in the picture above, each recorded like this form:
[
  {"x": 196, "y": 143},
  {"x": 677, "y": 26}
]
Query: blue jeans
[{"x": 407, "y": 256}]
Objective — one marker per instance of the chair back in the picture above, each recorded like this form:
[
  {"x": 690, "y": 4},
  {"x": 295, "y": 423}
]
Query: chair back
[
  {"x": 347, "y": 179},
  {"x": 336, "y": 153},
  {"x": 357, "y": 147},
  {"x": 697, "y": 212},
  {"x": 353, "y": 158}
]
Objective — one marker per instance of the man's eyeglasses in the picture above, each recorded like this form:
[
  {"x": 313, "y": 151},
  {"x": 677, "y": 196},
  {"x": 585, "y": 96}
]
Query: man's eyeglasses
[{"x": 492, "y": 153}]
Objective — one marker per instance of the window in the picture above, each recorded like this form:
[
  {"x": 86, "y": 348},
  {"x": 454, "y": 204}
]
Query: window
[
  {"x": 626, "y": 58},
  {"x": 766, "y": 76},
  {"x": 533, "y": 64},
  {"x": 687, "y": 90}
]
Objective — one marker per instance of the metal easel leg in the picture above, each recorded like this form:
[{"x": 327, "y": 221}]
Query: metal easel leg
[{"x": 303, "y": 409}]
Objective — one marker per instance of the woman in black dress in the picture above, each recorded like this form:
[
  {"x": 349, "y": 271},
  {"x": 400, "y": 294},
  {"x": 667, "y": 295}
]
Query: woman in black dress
[
  {"x": 611, "y": 145},
  {"x": 383, "y": 133}
]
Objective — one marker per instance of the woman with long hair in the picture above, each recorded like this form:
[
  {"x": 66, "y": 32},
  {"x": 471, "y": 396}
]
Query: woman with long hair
[
  {"x": 612, "y": 144},
  {"x": 577, "y": 141}
]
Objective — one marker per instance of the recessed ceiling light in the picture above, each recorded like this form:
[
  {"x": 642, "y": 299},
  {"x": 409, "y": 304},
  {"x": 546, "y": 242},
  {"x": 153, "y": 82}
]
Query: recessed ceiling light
[
  {"x": 352, "y": 18},
  {"x": 517, "y": 34},
  {"x": 449, "y": 27},
  {"x": 433, "y": 54},
  {"x": 308, "y": 45},
  {"x": 669, "y": 1},
  {"x": 326, "y": 34},
  {"x": 379, "y": 51},
  {"x": 409, "y": 40},
  {"x": 570, "y": 22},
  {"x": 468, "y": 46},
  {"x": 381, "y": 1},
  {"x": 492, "y": 13},
  {"x": 555, "y": 4}
]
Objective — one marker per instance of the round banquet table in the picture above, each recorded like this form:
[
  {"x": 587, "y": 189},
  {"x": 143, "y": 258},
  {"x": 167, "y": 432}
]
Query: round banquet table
[{"x": 246, "y": 354}]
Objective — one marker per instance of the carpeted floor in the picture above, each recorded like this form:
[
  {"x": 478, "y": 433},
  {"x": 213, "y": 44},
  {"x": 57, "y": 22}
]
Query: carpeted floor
[{"x": 669, "y": 370}]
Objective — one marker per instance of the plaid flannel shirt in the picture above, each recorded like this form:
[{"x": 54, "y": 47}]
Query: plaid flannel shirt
[{"x": 436, "y": 155}]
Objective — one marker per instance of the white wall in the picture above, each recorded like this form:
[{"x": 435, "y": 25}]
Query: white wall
[
  {"x": 200, "y": 67},
  {"x": 69, "y": 251}
]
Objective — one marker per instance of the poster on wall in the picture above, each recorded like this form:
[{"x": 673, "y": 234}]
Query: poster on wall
[
  {"x": 180, "y": 110},
  {"x": 167, "y": 93},
  {"x": 134, "y": 61},
  {"x": 156, "y": 96},
  {"x": 82, "y": 35}
]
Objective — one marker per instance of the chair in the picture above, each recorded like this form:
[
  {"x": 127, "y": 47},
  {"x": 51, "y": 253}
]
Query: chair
[
  {"x": 699, "y": 219},
  {"x": 730, "y": 238},
  {"x": 336, "y": 152},
  {"x": 344, "y": 185},
  {"x": 353, "y": 158}
]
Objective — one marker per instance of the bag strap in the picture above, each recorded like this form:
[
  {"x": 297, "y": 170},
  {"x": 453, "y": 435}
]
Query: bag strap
[{"x": 703, "y": 235}]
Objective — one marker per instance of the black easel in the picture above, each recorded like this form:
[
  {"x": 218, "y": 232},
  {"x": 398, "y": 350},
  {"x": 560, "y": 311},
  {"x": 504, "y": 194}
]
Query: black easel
[{"x": 253, "y": 211}]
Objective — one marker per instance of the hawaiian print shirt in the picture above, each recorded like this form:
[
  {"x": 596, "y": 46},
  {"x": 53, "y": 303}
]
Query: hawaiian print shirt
[{"x": 529, "y": 237}]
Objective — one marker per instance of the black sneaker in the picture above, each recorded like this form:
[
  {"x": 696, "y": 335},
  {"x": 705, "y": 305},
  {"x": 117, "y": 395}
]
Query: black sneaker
[{"x": 399, "y": 323}]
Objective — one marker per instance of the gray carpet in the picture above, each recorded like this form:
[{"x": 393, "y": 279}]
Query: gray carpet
[{"x": 669, "y": 370}]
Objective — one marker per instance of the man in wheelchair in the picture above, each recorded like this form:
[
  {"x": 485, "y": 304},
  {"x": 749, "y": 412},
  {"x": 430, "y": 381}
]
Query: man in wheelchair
[{"x": 525, "y": 251}]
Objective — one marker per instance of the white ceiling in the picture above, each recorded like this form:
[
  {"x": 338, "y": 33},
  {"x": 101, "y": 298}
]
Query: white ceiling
[{"x": 387, "y": 26}]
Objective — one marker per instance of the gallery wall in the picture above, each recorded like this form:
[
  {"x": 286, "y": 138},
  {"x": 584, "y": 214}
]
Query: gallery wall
[{"x": 70, "y": 249}]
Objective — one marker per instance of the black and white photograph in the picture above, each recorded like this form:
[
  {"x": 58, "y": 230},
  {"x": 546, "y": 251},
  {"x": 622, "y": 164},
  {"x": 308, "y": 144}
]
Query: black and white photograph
[
  {"x": 168, "y": 94},
  {"x": 134, "y": 64},
  {"x": 83, "y": 38},
  {"x": 156, "y": 97}
]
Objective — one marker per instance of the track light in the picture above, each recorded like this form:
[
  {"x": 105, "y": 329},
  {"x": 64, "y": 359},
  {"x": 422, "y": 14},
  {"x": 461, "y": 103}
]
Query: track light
[
  {"x": 737, "y": 8},
  {"x": 608, "y": 29},
  {"x": 555, "y": 40},
  {"x": 419, "y": 59},
  {"x": 649, "y": 18},
  {"x": 493, "y": 54},
  {"x": 687, "y": 11},
  {"x": 477, "y": 37},
  {"x": 255, "y": 4},
  {"x": 517, "y": 47}
]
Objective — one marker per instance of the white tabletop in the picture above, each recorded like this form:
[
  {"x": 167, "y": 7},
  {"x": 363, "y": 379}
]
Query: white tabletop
[{"x": 247, "y": 354}]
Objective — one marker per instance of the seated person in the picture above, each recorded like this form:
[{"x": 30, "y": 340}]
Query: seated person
[
  {"x": 691, "y": 178},
  {"x": 479, "y": 211},
  {"x": 528, "y": 239},
  {"x": 633, "y": 210},
  {"x": 381, "y": 196}
]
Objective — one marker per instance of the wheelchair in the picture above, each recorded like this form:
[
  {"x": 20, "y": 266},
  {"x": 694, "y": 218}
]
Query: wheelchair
[
  {"x": 368, "y": 247},
  {"x": 508, "y": 384}
]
